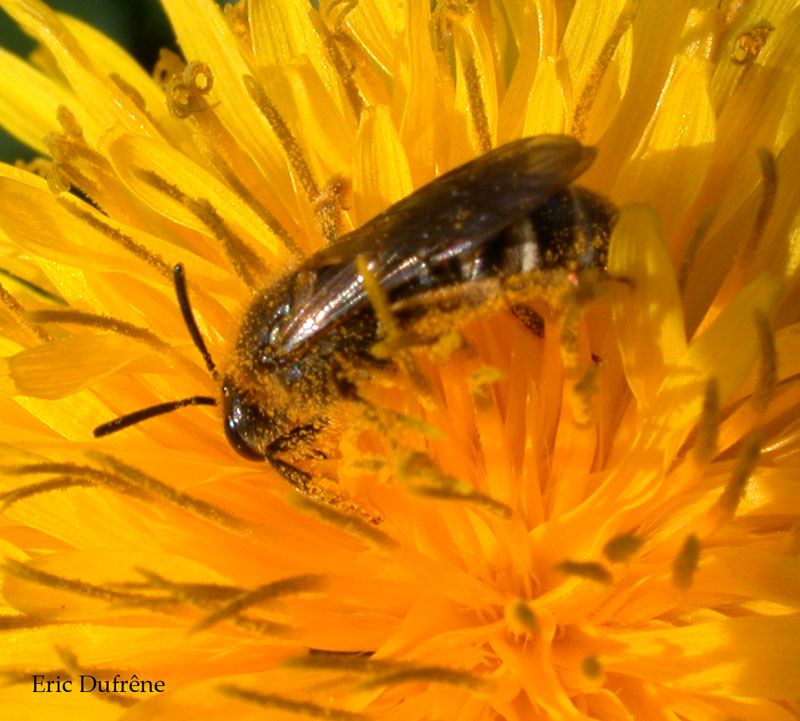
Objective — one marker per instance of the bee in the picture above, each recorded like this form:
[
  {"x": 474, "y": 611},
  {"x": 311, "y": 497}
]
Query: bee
[{"x": 455, "y": 245}]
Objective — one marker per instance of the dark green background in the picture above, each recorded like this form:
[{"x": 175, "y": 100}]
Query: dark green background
[{"x": 140, "y": 26}]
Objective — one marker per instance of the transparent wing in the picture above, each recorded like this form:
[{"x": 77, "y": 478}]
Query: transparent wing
[{"x": 455, "y": 214}]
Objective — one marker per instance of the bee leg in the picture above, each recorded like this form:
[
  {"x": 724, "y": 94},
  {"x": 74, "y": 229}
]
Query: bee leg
[
  {"x": 343, "y": 382},
  {"x": 301, "y": 480},
  {"x": 529, "y": 318},
  {"x": 299, "y": 437},
  {"x": 444, "y": 305},
  {"x": 305, "y": 483}
]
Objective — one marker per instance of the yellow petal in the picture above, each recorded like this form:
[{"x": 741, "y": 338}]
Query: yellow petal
[
  {"x": 282, "y": 33},
  {"x": 109, "y": 56},
  {"x": 648, "y": 316},
  {"x": 29, "y": 101},
  {"x": 132, "y": 156},
  {"x": 100, "y": 356},
  {"x": 205, "y": 36},
  {"x": 546, "y": 108},
  {"x": 87, "y": 81},
  {"x": 416, "y": 130},
  {"x": 381, "y": 175},
  {"x": 738, "y": 657},
  {"x": 655, "y": 38},
  {"x": 667, "y": 169},
  {"x": 750, "y": 573}
]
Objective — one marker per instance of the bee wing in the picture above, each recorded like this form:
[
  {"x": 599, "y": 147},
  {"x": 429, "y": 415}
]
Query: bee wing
[
  {"x": 468, "y": 205},
  {"x": 455, "y": 214}
]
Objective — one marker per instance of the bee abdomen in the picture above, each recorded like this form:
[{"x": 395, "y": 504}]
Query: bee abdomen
[
  {"x": 573, "y": 229},
  {"x": 570, "y": 231}
]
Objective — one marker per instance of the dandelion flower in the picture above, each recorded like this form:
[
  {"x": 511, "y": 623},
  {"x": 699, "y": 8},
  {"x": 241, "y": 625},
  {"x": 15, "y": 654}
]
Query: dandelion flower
[{"x": 596, "y": 521}]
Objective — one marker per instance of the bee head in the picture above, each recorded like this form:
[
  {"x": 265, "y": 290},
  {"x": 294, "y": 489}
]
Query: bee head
[{"x": 249, "y": 429}]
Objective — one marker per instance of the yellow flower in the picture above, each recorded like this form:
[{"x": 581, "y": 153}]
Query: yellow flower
[{"x": 603, "y": 525}]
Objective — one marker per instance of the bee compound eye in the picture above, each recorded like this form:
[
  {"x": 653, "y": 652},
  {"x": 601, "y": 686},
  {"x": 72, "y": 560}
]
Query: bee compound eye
[
  {"x": 245, "y": 425},
  {"x": 239, "y": 442}
]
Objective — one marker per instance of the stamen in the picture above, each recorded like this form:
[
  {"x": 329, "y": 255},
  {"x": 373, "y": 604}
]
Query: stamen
[
  {"x": 65, "y": 177},
  {"x": 15, "y": 678},
  {"x": 69, "y": 123},
  {"x": 591, "y": 88},
  {"x": 207, "y": 597},
  {"x": 37, "y": 289},
  {"x": 236, "y": 17},
  {"x": 347, "y": 7},
  {"x": 18, "y": 623},
  {"x": 38, "y": 166},
  {"x": 138, "y": 100},
  {"x": 264, "y": 213},
  {"x": 292, "y": 586},
  {"x": 622, "y": 547},
  {"x": 356, "y": 525},
  {"x": 239, "y": 171},
  {"x": 769, "y": 179},
  {"x": 477, "y": 106},
  {"x": 197, "y": 593},
  {"x": 767, "y": 365},
  {"x": 693, "y": 246},
  {"x": 591, "y": 667},
  {"x": 93, "y": 476},
  {"x": 132, "y": 93},
  {"x": 9, "y": 498},
  {"x": 520, "y": 614},
  {"x": 245, "y": 262},
  {"x": 18, "y": 313},
  {"x": 435, "y": 484},
  {"x": 81, "y": 588},
  {"x": 343, "y": 69},
  {"x": 588, "y": 570},
  {"x": 57, "y": 183},
  {"x": 66, "y": 148},
  {"x": 294, "y": 153},
  {"x": 103, "y": 322},
  {"x": 443, "y": 493},
  {"x": 70, "y": 661},
  {"x": 173, "y": 496},
  {"x": 333, "y": 661},
  {"x": 792, "y": 541},
  {"x": 582, "y": 396},
  {"x": 118, "y": 237},
  {"x": 750, "y": 42},
  {"x": 79, "y": 168},
  {"x": 186, "y": 93},
  {"x": 745, "y": 465},
  {"x": 329, "y": 204},
  {"x": 241, "y": 257},
  {"x": 430, "y": 674},
  {"x": 724, "y": 19},
  {"x": 441, "y": 24},
  {"x": 283, "y": 703},
  {"x": 167, "y": 66},
  {"x": 262, "y": 627},
  {"x": 705, "y": 446},
  {"x": 685, "y": 563},
  {"x": 481, "y": 386}
]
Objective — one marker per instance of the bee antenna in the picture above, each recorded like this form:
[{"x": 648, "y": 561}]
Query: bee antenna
[
  {"x": 179, "y": 276},
  {"x": 150, "y": 412}
]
